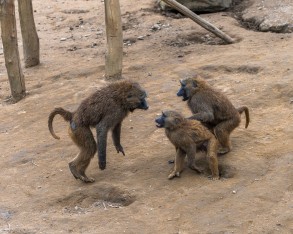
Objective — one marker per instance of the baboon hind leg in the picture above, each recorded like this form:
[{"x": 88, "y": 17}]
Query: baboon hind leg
[
  {"x": 212, "y": 158},
  {"x": 222, "y": 132},
  {"x": 86, "y": 143},
  {"x": 191, "y": 160}
]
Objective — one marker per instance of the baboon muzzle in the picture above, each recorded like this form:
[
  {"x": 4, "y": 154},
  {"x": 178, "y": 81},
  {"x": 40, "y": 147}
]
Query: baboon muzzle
[
  {"x": 143, "y": 105},
  {"x": 182, "y": 93},
  {"x": 160, "y": 122}
]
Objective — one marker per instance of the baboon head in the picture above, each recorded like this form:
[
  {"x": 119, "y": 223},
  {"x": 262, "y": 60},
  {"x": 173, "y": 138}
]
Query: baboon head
[
  {"x": 136, "y": 98},
  {"x": 169, "y": 120},
  {"x": 190, "y": 86}
]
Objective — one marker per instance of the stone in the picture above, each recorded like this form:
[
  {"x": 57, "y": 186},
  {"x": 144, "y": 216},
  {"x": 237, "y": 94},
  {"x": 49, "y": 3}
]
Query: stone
[{"x": 273, "y": 16}]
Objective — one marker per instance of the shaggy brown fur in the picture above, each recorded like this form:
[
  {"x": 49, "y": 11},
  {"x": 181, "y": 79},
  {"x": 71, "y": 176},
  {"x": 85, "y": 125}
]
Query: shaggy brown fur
[
  {"x": 213, "y": 109},
  {"x": 185, "y": 135},
  {"x": 105, "y": 109}
]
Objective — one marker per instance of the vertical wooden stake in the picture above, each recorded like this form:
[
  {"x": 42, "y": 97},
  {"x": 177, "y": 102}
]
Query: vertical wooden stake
[
  {"x": 31, "y": 47},
  {"x": 10, "y": 47},
  {"x": 114, "y": 40}
]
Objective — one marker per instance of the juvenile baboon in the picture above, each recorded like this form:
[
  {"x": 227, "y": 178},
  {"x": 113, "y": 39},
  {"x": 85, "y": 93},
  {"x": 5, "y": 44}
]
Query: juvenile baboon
[
  {"x": 185, "y": 135},
  {"x": 213, "y": 109},
  {"x": 105, "y": 109}
]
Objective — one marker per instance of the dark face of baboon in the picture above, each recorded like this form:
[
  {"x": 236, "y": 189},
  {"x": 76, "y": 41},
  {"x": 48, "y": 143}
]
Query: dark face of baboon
[
  {"x": 136, "y": 98},
  {"x": 189, "y": 87},
  {"x": 169, "y": 120}
]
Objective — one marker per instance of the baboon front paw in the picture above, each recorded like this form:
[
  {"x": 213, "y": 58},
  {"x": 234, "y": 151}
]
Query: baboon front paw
[
  {"x": 119, "y": 148},
  {"x": 87, "y": 180},
  {"x": 174, "y": 174},
  {"x": 214, "y": 177},
  {"x": 222, "y": 151}
]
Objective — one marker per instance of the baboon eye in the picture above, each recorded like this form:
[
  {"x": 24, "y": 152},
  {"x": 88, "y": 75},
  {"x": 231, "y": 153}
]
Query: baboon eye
[{"x": 129, "y": 95}]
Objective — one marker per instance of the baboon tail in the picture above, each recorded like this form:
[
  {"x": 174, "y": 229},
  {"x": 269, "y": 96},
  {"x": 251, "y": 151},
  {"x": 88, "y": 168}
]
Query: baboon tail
[
  {"x": 246, "y": 111},
  {"x": 67, "y": 116}
]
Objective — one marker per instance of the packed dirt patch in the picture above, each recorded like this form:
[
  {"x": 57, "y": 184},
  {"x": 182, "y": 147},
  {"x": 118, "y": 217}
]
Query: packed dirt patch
[{"x": 133, "y": 195}]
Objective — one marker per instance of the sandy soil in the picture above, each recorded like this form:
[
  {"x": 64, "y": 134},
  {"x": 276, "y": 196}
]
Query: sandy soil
[{"x": 133, "y": 195}]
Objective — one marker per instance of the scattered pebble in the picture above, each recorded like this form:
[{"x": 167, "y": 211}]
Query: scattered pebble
[
  {"x": 156, "y": 27},
  {"x": 140, "y": 38},
  {"x": 63, "y": 39},
  {"x": 234, "y": 191},
  {"x": 94, "y": 44}
]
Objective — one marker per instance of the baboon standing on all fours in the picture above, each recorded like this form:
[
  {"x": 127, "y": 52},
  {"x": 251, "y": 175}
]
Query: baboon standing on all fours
[
  {"x": 105, "y": 109},
  {"x": 185, "y": 135},
  {"x": 212, "y": 108}
]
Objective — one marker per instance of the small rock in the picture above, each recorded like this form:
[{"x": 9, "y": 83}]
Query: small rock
[
  {"x": 234, "y": 191},
  {"x": 94, "y": 44},
  {"x": 140, "y": 38},
  {"x": 156, "y": 27},
  {"x": 63, "y": 39}
]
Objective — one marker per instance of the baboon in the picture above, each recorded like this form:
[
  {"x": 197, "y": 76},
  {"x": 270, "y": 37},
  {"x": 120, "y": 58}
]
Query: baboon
[
  {"x": 105, "y": 109},
  {"x": 213, "y": 109},
  {"x": 186, "y": 135}
]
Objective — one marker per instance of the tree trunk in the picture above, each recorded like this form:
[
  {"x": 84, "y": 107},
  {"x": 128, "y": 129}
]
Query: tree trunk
[
  {"x": 31, "y": 47},
  {"x": 114, "y": 39},
  {"x": 10, "y": 47},
  {"x": 205, "y": 24}
]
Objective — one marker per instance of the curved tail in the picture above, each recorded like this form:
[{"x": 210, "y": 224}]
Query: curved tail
[
  {"x": 67, "y": 116},
  {"x": 245, "y": 109}
]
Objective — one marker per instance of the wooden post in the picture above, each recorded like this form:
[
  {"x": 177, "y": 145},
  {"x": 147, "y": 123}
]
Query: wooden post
[
  {"x": 205, "y": 24},
  {"x": 31, "y": 47},
  {"x": 114, "y": 40},
  {"x": 10, "y": 47}
]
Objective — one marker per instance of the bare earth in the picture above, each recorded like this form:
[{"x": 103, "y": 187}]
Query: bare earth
[{"x": 133, "y": 195}]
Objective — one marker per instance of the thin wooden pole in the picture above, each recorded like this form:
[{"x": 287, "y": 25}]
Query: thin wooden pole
[
  {"x": 10, "y": 48},
  {"x": 205, "y": 24},
  {"x": 114, "y": 40},
  {"x": 31, "y": 47}
]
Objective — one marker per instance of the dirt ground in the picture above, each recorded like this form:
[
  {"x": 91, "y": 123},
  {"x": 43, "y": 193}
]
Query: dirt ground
[{"x": 38, "y": 194}]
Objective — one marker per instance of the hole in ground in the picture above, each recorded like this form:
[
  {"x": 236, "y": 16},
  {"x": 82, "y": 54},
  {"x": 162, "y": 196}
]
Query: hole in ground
[{"x": 100, "y": 196}]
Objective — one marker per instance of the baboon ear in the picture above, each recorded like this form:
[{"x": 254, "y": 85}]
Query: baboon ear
[{"x": 182, "y": 82}]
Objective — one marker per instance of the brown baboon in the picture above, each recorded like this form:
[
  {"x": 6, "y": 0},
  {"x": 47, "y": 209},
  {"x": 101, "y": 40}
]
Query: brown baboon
[
  {"x": 105, "y": 109},
  {"x": 213, "y": 109},
  {"x": 186, "y": 135}
]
